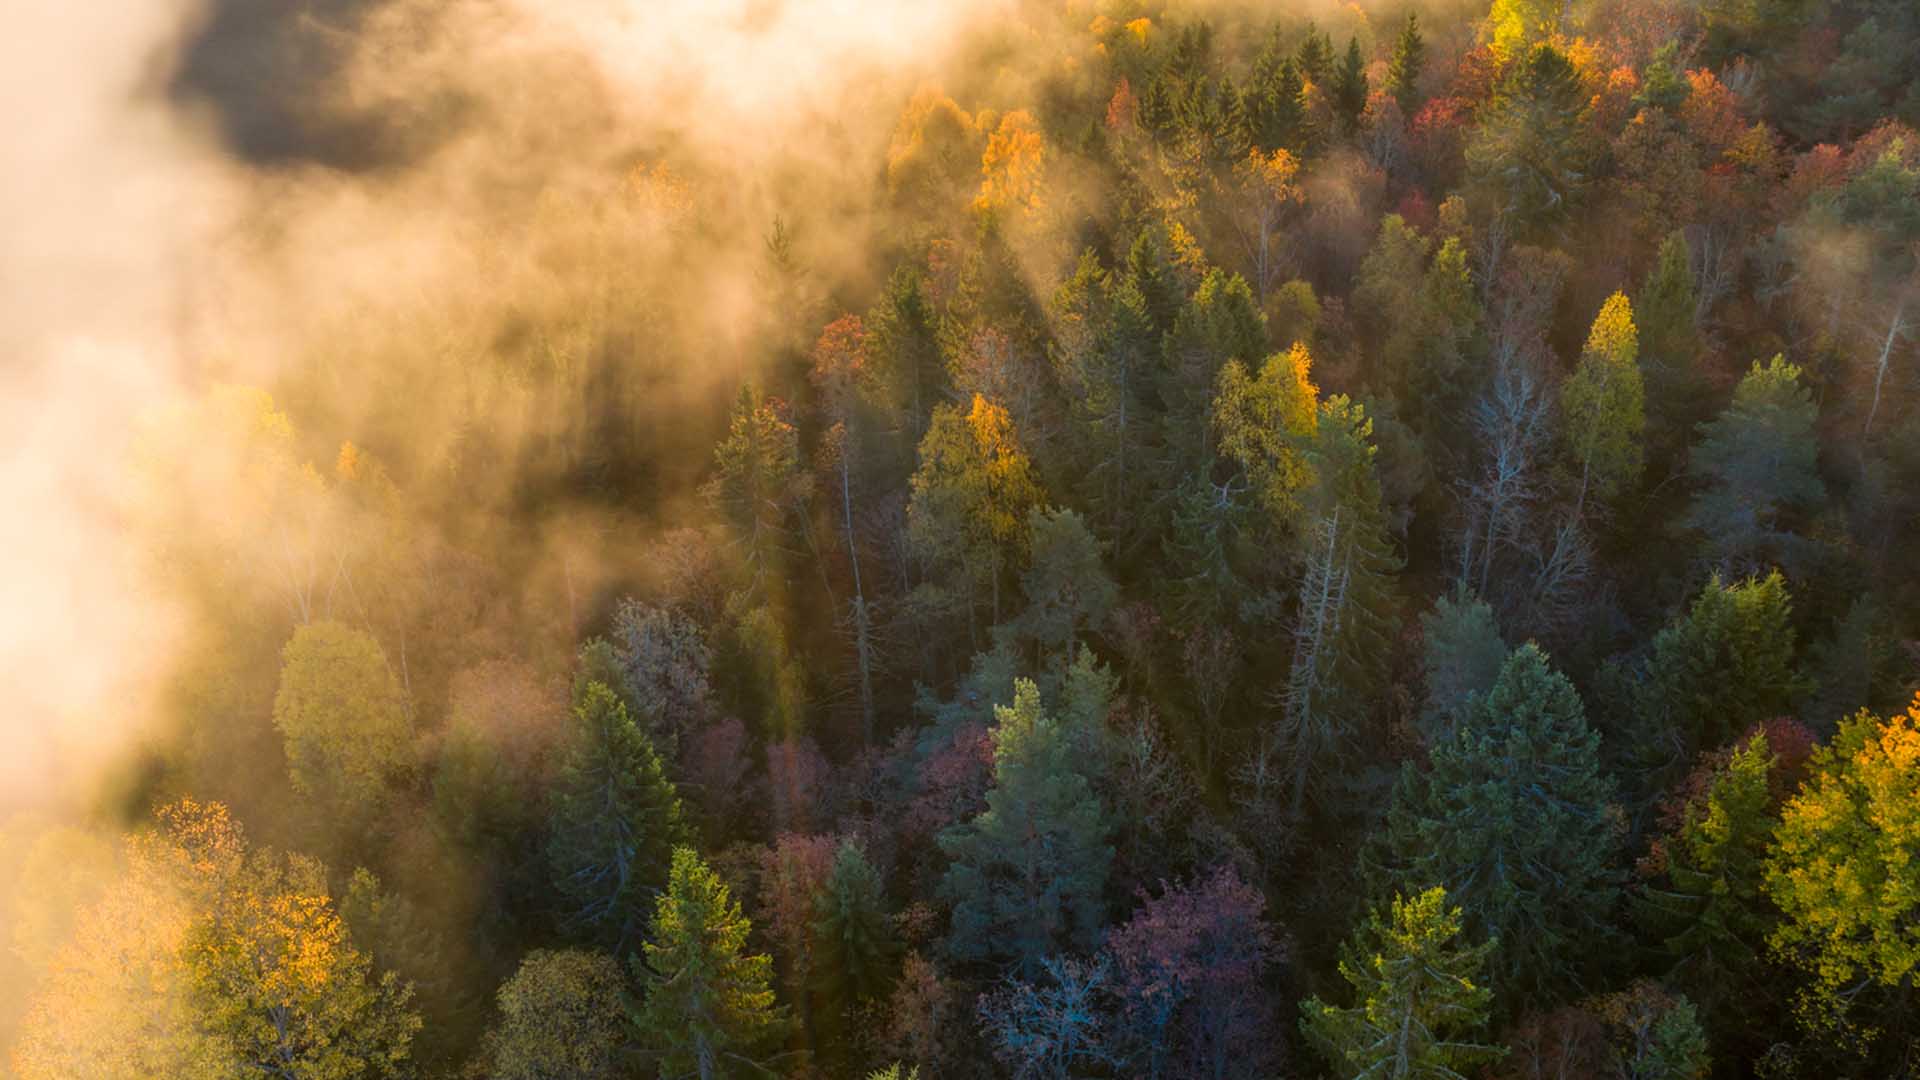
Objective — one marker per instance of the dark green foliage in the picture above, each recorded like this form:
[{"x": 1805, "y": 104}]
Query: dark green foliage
[
  {"x": 1528, "y": 156},
  {"x": 855, "y": 949},
  {"x": 1350, "y": 86},
  {"x": 1756, "y": 470},
  {"x": 1408, "y": 63},
  {"x": 615, "y": 821},
  {"x": 1462, "y": 658},
  {"x": 1029, "y": 873},
  {"x": 1513, "y": 818}
]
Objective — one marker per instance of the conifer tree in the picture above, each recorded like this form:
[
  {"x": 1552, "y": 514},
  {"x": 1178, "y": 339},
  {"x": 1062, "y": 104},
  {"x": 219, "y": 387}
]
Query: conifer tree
[
  {"x": 855, "y": 948},
  {"x": 970, "y": 497},
  {"x": 709, "y": 1009},
  {"x": 1604, "y": 404},
  {"x": 1346, "y": 611},
  {"x": 1404, "y": 69},
  {"x": 1350, "y": 86},
  {"x": 1728, "y": 665},
  {"x": 1756, "y": 467},
  {"x": 1417, "y": 996},
  {"x": 1512, "y": 817},
  {"x": 1028, "y": 874},
  {"x": 615, "y": 821},
  {"x": 1669, "y": 342}
]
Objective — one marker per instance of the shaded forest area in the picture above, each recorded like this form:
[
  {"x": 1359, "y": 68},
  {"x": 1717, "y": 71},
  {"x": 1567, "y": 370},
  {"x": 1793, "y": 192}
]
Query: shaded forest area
[{"x": 1183, "y": 540}]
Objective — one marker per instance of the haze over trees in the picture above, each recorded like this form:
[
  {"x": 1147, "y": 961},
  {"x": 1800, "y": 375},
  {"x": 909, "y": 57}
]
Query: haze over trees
[{"x": 1155, "y": 539}]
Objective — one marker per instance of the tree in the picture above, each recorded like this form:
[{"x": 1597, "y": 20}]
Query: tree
[
  {"x": 1844, "y": 878},
  {"x": 1513, "y": 819},
  {"x": 1066, "y": 584},
  {"x": 344, "y": 718},
  {"x": 1265, "y": 191},
  {"x": 1416, "y": 996},
  {"x": 1028, "y": 873},
  {"x": 1054, "y": 1029},
  {"x": 1408, "y": 62},
  {"x": 1727, "y": 665},
  {"x": 1516, "y": 26},
  {"x": 1604, "y": 404},
  {"x": 1669, "y": 339},
  {"x": 1462, "y": 655},
  {"x": 1710, "y": 910},
  {"x": 971, "y": 496},
  {"x": 757, "y": 485},
  {"x": 665, "y": 667},
  {"x": 1350, "y": 86},
  {"x": 709, "y": 1009},
  {"x": 1345, "y": 614},
  {"x": 1011, "y": 164},
  {"x": 1756, "y": 465},
  {"x": 1104, "y": 345},
  {"x": 1222, "y": 323},
  {"x": 1264, "y": 423},
  {"x": 1391, "y": 280},
  {"x": 561, "y": 1018},
  {"x": 615, "y": 821},
  {"x": 214, "y": 959},
  {"x": 1528, "y": 155},
  {"x": 1189, "y": 972},
  {"x": 856, "y": 950},
  {"x": 903, "y": 343}
]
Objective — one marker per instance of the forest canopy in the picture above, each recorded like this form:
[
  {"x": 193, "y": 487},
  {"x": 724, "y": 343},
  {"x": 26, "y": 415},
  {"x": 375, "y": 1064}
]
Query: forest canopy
[{"x": 1084, "y": 538}]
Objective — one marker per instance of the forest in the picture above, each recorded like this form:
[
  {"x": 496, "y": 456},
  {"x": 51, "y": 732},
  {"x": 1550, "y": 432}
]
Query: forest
[{"x": 1046, "y": 538}]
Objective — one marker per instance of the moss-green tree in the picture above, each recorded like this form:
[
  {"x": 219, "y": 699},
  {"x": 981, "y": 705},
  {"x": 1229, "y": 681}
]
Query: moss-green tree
[
  {"x": 1029, "y": 873},
  {"x": 709, "y": 1009},
  {"x": 1417, "y": 996},
  {"x": 855, "y": 948}
]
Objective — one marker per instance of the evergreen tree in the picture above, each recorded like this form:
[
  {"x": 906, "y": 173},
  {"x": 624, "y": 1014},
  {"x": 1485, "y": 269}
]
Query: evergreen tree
[
  {"x": 1028, "y": 874},
  {"x": 1528, "y": 155},
  {"x": 1709, "y": 910},
  {"x": 1462, "y": 657},
  {"x": 855, "y": 949},
  {"x": 1417, "y": 995},
  {"x": 1728, "y": 665},
  {"x": 709, "y": 1009},
  {"x": 1669, "y": 342},
  {"x": 1756, "y": 466},
  {"x": 1350, "y": 87},
  {"x": 908, "y": 375},
  {"x": 1404, "y": 69},
  {"x": 1348, "y": 599},
  {"x": 614, "y": 824},
  {"x": 970, "y": 497},
  {"x": 1604, "y": 404},
  {"x": 1512, "y": 817},
  {"x": 1220, "y": 324},
  {"x": 758, "y": 485},
  {"x": 1315, "y": 56}
]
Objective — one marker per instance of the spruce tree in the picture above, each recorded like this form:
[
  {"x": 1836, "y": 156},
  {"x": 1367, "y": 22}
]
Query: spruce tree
[
  {"x": 614, "y": 824},
  {"x": 1512, "y": 817},
  {"x": 1029, "y": 873},
  {"x": 855, "y": 949},
  {"x": 1350, "y": 87},
  {"x": 1756, "y": 469},
  {"x": 1403, "y": 70},
  {"x": 1417, "y": 994},
  {"x": 709, "y": 1008}
]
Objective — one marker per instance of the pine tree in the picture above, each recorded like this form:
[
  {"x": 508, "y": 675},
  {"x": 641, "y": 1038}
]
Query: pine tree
[
  {"x": 1462, "y": 657},
  {"x": 1417, "y": 994},
  {"x": 758, "y": 485},
  {"x": 1528, "y": 154},
  {"x": 1403, "y": 70},
  {"x": 1604, "y": 404},
  {"x": 614, "y": 824},
  {"x": 908, "y": 375},
  {"x": 1512, "y": 817},
  {"x": 1315, "y": 56},
  {"x": 1028, "y": 874}
]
